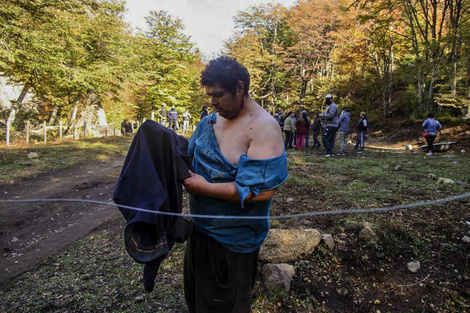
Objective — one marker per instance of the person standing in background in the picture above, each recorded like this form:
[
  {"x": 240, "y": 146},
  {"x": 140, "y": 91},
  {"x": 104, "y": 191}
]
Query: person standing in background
[
  {"x": 431, "y": 127},
  {"x": 302, "y": 127},
  {"x": 316, "y": 129},
  {"x": 186, "y": 120},
  {"x": 173, "y": 116},
  {"x": 343, "y": 131},
  {"x": 126, "y": 127},
  {"x": 163, "y": 112},
  {"x": 289, "y": 127},
  {"x": 330, "y": 117},
  {"x": 203, "y": 112},
  {"x": 361, "y": 131},
  {"x": 307, "y": 135}
]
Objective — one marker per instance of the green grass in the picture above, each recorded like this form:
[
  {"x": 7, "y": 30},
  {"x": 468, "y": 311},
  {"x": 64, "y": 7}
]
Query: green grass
[{"x": 14, "y": 163}]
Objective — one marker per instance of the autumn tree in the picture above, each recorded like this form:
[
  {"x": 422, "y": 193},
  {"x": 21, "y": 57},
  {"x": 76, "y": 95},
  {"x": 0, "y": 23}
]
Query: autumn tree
[
  {"x": 261, "y": 31},
  {"x": 314, "y": 24}
]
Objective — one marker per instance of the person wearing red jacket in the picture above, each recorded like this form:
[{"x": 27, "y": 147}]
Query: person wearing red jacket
[{"x": 302, "y": 126}]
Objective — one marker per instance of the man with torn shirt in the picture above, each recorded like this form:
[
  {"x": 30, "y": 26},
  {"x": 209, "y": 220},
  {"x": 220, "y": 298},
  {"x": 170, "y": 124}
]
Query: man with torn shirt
[{"x": 239, "y": 160}]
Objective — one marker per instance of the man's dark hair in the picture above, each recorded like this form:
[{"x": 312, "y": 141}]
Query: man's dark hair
[
  {"x": 328, "y": 101},
  {"x": 430, "y": 115},
  {"x": 226, "y": 72}
]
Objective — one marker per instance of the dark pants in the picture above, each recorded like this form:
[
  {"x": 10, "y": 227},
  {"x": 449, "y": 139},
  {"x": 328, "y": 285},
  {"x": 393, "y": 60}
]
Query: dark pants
[
  {"x": 360, "y": 140},
  {"x": 316, "y": 143},
  {"x": 289, "y": 139},
  {"x": 430, "y": 141},
  {"x": 216, "y": 279},
  {"x": 307, "y": 135},
  {"x": 328, "y": 138}
]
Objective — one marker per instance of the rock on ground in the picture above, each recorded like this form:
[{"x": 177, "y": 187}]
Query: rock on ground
[
  {"x": 278, "y": 276},
  {"x": 287, "y": 245}
]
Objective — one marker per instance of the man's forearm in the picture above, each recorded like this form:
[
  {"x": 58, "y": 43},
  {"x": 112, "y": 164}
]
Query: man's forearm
[{"x": 229, "y": 192}]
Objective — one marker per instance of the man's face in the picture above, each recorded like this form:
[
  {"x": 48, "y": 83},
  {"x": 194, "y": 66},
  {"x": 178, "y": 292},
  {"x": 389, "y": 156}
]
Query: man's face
[{"x": 224, "y": 102}]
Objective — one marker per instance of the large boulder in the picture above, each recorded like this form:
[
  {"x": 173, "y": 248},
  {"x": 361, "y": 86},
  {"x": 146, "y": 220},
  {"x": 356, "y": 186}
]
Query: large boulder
[{"x": 288, "y": 245}]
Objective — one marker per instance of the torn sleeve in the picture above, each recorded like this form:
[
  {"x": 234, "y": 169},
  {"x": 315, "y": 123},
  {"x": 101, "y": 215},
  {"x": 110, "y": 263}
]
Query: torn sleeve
[{"x": 257, "y": 175}]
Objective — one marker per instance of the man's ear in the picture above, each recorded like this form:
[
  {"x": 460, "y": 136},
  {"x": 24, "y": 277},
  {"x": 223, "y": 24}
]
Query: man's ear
[{"x": 241, "y": 87}]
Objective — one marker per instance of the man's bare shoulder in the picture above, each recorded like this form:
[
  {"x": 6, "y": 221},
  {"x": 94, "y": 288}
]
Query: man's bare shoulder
[
  {"x": 263, "y": 118},
  {"x": 266, "y": 141}
]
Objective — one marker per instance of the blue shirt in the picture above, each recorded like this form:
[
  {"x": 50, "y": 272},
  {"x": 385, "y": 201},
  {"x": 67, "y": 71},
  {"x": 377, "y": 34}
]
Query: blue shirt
[
  {"x": 249, "y": 175},
  {"x": 431, "y": 125},
  {"x": 344, "y": 120}
]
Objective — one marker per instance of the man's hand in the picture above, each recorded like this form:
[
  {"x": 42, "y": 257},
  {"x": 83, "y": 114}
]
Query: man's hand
[{"x": 195, "y": 184}]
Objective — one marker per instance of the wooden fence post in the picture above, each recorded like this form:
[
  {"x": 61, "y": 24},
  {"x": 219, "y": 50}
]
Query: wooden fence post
[
  {"x": 27, "y": 132},
  {"x": 44, "y": 130},
  {"x": 8, "y": 133},
  {"x": 60, "y": 130},
  {"x": 73, "y": 131},
  {"x": 132, "y": 127}
]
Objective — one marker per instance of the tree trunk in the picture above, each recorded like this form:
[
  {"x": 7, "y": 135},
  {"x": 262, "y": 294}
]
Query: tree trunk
[
  {"x": 430, "y": 102},
  {"x": 454, "y": 76},
  {"x": 74, "y": 113},
  {"x": 387, "y": 83},
  {"x": 421, "y": 86},
  {"x": 53, "y": 115},
  {"x": 15, "y": 105},
  {"x": 303, "y": 92}
]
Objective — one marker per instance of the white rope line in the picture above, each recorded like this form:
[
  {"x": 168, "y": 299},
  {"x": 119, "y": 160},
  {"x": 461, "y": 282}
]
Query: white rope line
[{"x": 244, "y": 217}]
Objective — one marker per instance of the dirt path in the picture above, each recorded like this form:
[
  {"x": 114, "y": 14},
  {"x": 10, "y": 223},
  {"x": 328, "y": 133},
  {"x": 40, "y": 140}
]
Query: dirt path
[{"x": 31, "y": 232}]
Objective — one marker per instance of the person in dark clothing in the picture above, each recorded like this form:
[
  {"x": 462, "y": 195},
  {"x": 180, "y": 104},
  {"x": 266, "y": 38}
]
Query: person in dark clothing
[
  {"x": 361, "y": 131},
  {"x": 126, "y": 127},
  {"x": 316, "y": 129},
  {"x": 173, "y": 116},
  {"x": 203, "y": 112}
]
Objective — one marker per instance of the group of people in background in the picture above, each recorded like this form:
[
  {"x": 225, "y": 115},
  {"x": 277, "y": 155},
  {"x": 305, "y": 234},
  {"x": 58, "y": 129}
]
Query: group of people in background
[
  {"x": 297, "y": 129},
  {"x": 168, "y": 118},
  {"x": 172, "y": 116},
  {"x": 328, "y": 123}
]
